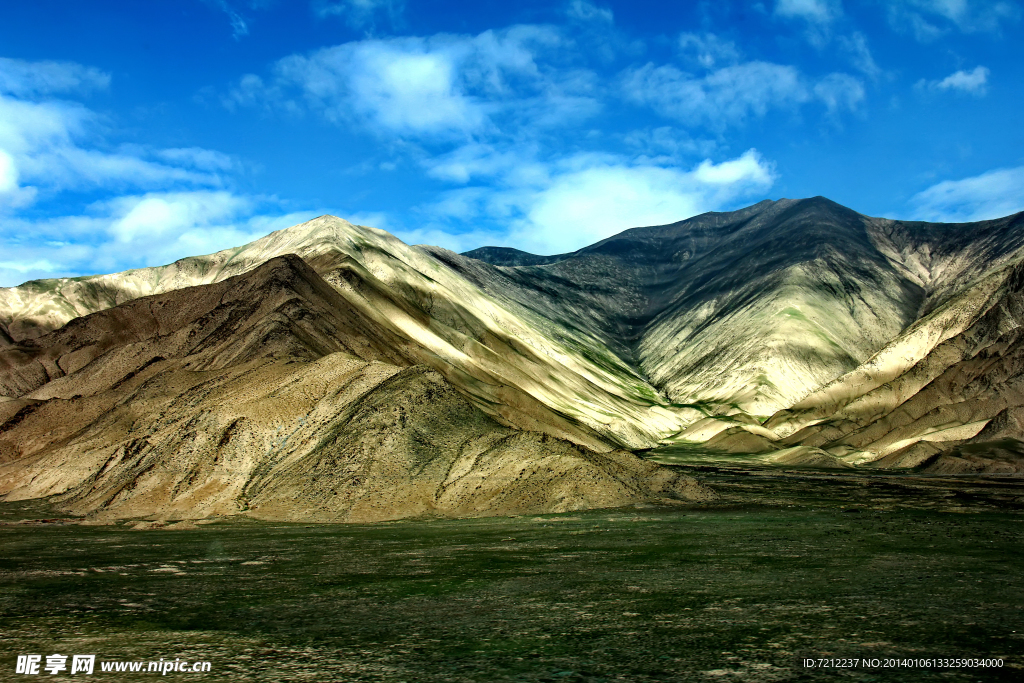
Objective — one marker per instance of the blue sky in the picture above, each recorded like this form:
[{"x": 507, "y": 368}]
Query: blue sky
[{"x": 135, "y": 133}]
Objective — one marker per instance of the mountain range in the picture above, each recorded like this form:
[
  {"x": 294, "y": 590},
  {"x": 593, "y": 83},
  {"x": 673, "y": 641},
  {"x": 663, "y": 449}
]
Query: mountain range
[{"x": 266, "y": 379}]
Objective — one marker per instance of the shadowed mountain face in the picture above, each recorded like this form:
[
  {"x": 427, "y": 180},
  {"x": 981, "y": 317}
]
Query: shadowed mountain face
[
  {"x": 793, "y": 324},
  {"x": 267, "y": 393},
  {"x": 753, "y": 308},
  {"x": 506, "y": 256}
]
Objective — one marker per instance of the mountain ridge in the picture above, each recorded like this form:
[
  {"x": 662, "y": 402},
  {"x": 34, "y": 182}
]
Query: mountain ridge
[
  {"x": 268, "y": 395},
  {"x": 679, "y": 333}
]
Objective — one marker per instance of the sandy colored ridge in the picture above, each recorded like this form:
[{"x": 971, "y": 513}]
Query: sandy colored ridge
[{"x": 266, "y": 395}]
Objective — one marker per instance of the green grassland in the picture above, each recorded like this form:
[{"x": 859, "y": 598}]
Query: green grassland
[{"x": 785, "y": 565}]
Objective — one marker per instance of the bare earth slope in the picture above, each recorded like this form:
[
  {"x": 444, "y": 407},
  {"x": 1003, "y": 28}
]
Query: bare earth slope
[
  {"x": 265, "y": 394},
  {"x": 512, "y": 364}
]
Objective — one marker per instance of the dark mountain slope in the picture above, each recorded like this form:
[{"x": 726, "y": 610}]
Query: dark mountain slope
[
  {"x": 506, "y": 256},
  {"x": 752, "y": 308}
]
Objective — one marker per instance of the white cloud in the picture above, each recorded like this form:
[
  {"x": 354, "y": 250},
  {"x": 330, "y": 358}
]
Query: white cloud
[
  {"x": 575, "y": 201},
  {"x": 732, "y": 94},
  {"x": 27, "y": 125},
  {"x": 239, "y": 27},
  {"x": 197, "y": 157},
  {"x": 974, "y": 82},
  {"x": 839, "y": 91},
  {"x": 160, "y": 227},
  {"x": 8, "y": 173},
  {"x": 477, "y": 160},
  {"x": 816, "y": 15},
  {"x": 150, "y": 218},
  {"x": 708, "y": 50},
  {"x": 928, "y": 20},
  {"x": 54, "y": 145},
  {"x": 441, "y": 87},
  {"x": 583, "y": 206},
  {"x": 812, "y": 11},
  {"x": 581, "y": 10},
  {"x": 359, "y": 13},
  {"x": 136, "y": 231},
  {"x": 726, "y": 96},
  {"x": 856, "y": 46},
  {"x": 745, "y": 173},
  {"x": 30, "y": 79},
  {"x": 412, "y": 91},
  {"x": 993, "y": 194}
]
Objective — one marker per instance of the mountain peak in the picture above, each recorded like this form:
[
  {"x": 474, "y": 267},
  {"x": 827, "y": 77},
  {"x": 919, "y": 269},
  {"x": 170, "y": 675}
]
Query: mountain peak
[{"x": 749, "y": 310}]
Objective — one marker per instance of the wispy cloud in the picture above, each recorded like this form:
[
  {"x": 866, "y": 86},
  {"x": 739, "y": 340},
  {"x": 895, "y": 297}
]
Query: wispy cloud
[
  {"x": 720, "y": 98},
  {"x": 974, "y": 82},
  {"x": 707, "y": 50},
  {"x": 856, "y": 47},
  {"x": 839, "y": 92},
  {"x": 816, "y": 16},
  {"x": 732, "y": 94},
  {"x": 239, "y": 26},
  {"x": 581, "y": 10},
  {"x": 198, "y": 158},
  {"x": 994, "y": 194},
  {"x": 55, "y": 145},
  {"x": 474, "y": 161},
  {"x": 668, "y": 145},
  {"x": 812, "y": 11},
  {"x": 929, "y": 20},
  {"x": 360, "y": 13},
  {"x": 26, "y": 79}
]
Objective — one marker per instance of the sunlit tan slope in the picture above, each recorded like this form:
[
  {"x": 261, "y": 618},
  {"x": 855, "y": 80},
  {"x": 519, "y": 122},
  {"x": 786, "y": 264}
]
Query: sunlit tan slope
[
  {"x": 268, "y": 394},
  {"x": 524, "y": 370}
]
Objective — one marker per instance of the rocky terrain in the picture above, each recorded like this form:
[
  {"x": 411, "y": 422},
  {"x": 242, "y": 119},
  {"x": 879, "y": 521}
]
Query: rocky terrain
[
  {"x": 330, "y": 371},
  {"x": 267, "y": 394}
]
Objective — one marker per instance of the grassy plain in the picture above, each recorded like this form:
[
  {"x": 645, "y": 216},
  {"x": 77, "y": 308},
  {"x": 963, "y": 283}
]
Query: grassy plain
[{"x": 785, "y": 565}]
